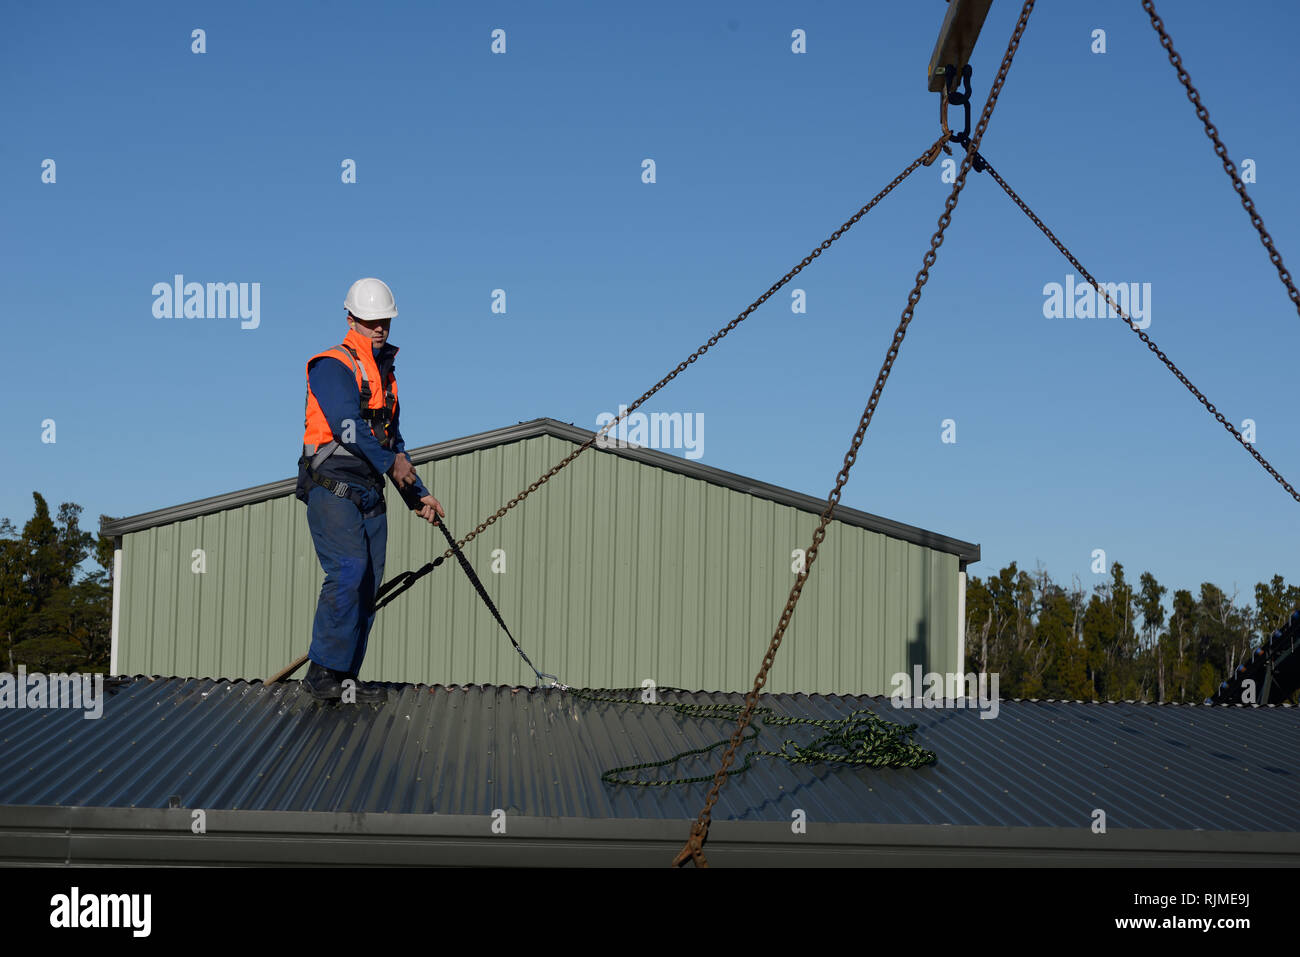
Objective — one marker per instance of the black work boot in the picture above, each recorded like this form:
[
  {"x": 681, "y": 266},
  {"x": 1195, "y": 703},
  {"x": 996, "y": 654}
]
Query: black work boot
[
  {"x": 322, "y": 683},
  {"x": 367, "y": 692}
]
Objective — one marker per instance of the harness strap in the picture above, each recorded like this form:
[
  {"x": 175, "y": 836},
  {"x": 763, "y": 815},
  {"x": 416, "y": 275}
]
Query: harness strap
[
  {"x": 352, "y": 493},
  {"x": 365, "y": 379},
  {"x": 320, "y": 453},
  {"x": 382, "y": 415}
]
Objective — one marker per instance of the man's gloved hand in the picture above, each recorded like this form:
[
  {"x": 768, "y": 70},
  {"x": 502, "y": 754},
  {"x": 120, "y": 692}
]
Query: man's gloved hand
[
  {"x": 403, "y": 472},
  {"x": 431, "y": 511}
]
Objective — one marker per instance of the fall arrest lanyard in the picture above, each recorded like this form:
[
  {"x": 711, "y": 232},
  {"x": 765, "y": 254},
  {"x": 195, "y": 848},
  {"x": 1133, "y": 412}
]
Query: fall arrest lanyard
[{"x": 391, "y": 589}]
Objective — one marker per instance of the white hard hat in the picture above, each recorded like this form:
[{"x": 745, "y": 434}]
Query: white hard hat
[{"x": 371, "y": 299}]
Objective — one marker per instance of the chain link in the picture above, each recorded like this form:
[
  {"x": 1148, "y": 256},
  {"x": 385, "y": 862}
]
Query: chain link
[
  {"x": 1219, "y": 416},
  {"x": 694, "y": 848},
  {"x": 859, "y": 739},
  {"x": 1221, "y": 151},
  {"x": 925, "y": 159}
]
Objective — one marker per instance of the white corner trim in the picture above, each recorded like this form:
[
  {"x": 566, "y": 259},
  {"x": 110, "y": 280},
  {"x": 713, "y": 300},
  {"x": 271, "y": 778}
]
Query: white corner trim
[{"x": 117, "y": 608}]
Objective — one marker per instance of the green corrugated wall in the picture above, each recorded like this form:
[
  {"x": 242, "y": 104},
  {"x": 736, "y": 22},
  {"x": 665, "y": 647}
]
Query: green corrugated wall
[{"x": 615, "y": 571}]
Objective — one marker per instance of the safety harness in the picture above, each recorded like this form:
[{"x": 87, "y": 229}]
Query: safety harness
[{"x": 380, "y": 421}]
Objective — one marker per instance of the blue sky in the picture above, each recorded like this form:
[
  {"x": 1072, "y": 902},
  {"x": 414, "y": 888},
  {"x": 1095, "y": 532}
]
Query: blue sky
[{"x": 522, "y": 171}]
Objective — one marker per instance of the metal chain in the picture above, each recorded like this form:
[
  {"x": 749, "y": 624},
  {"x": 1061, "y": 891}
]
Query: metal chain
[
  {"x": 1221, "y": 151},
  {"x": 694, "y": 848},
  {"x": 1142, "y": 335},
  {"x": 859, "y": 739},
  {"x": 925, "y": 159}
]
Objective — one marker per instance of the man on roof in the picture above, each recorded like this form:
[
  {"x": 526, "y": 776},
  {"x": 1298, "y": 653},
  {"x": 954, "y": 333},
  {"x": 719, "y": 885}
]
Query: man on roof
[{"x": 351, "y": 440}]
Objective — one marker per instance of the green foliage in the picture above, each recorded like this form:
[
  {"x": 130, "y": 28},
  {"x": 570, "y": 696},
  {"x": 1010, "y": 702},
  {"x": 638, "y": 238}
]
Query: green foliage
[
  {"x": 1274, "y": 603},
  {"x": 1114, "y": 644},
  {"x": 1058, "y": 623},
  {"x": 53, "y": 617}
]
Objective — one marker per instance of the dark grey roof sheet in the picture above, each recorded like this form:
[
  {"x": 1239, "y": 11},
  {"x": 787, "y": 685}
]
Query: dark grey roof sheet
[
  {"x": 966, "y": 551},
  {"x": 539, "y": 754}
]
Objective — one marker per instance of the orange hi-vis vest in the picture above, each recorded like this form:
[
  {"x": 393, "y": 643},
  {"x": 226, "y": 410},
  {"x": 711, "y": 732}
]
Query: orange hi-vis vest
[{"x": 378, "y": 406}]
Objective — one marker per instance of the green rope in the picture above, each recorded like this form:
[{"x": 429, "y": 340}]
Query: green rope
[{"x": 860, "y": 739}]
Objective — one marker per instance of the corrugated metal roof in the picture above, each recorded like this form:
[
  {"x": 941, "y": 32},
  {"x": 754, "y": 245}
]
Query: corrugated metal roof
[
  {"x": 470, "y": 750},
  {"x": 967, "y": 552}
]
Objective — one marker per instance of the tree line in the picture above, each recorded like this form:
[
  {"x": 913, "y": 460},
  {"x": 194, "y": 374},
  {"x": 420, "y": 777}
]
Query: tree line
[
  {"x": 55, "y": 616},
  {"x": 1044, "y": 640},
  {"x": 1115, "y": 643}
]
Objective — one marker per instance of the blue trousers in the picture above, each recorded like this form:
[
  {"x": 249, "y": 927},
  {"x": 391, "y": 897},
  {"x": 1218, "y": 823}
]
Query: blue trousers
[{"x": 351, "y": 553}]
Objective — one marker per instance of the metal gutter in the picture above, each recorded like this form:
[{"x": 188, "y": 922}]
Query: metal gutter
[{"x": 116, "y": 836}]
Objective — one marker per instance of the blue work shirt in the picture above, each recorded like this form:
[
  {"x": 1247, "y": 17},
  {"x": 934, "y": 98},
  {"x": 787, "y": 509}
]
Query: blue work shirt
[{"x": 335, "y": 387}]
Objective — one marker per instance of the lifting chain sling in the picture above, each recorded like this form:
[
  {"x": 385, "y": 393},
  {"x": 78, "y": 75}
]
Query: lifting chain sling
[
  {"x": 925, "y": 159},
  {"x": 1221, "y": 151},
  {"x": 694, "y": 848}
]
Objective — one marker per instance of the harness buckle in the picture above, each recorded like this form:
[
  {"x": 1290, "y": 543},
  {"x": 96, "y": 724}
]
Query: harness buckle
[{"x": 341, "y": 489}]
